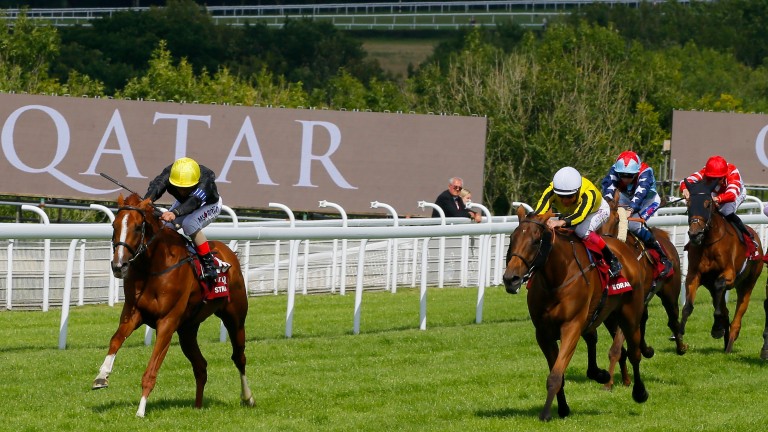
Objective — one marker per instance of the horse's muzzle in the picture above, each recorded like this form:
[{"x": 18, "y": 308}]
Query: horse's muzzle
[
  {"x": 512, "y": 282},
  {"x": 696, "y": 238},
  {"x": 119, "y": 270}
]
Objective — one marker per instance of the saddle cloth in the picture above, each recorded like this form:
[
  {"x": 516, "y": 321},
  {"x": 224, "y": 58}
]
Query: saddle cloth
[
  {"x": 220, "y": 287},
  {"x": 616, "y": 285}
]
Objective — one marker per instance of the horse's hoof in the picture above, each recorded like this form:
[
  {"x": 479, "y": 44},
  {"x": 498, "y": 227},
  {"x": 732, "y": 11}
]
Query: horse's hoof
[
  {"x": 729, "y": 346},
  {"x": 608, "y": 387},
  {"x": 248, "y": 402},
  {"x": 545, "y": 416},
  {"x": 601, "y": 376},
  {"x": 682, "y": 349},
  {"x": 100, "y": 383},
  {"x": 639, "y": 395},
  {"x": 648, "y": 352},
  {"x": 764, "y": 354},
  {"x": 563, "y": 411},
  {"x": 717, "y": 331}
]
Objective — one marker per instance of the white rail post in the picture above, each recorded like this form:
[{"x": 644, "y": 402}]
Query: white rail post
[
  {"x": 343, "y": 276},
  {"x": 291, "y": 271},
  {"x": 482, "y": 264},
  {"x": 47, "y": 255},
  {"x": 113, "y": 288},
  {"x": 9, "y": 276},
  {"x": 392, "y": 242},
  {"x": 423, "y": 289},
  {"x": 232, "y": 245},
  {"x": 64, "y": 322},
  {"x": 441, "y": 251},
  {"x": 359, "y": 286}
]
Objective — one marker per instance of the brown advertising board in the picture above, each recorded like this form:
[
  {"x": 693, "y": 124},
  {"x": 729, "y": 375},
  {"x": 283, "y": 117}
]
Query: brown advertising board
[
  {"x": 739, "y": 138},
  {"x": 57, "y": 146}
]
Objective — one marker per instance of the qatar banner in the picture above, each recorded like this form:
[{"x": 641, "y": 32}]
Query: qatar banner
[
  {"x": 56, "y": 147},
  {"x": 739, "y": 138}
]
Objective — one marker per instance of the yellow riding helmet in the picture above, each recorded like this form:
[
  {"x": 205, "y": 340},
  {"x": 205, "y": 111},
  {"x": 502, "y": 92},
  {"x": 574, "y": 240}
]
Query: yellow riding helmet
[{"x": 185, "y": 172}]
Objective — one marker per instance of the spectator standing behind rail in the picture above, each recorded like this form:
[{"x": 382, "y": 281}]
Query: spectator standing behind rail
[{"x": 452, "y": 203}]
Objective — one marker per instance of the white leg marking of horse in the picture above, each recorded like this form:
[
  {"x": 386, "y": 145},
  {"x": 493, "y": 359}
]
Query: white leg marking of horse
[
  {"x": 106, "y": 367},
  {"x": 142, "y": 407},
  {"x": 245, "y": 395}
]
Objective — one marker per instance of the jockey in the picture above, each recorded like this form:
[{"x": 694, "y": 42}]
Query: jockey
[
  {"x": 637, "y": 190},
  {"x": 197, "y": 204},
  {"x": 581, "y": 207},
  {"x": 729, "y": 192}
]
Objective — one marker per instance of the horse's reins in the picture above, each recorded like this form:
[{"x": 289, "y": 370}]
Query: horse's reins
[
  {"x": 142, "y": 243},
  {"x": 532, "y": 266}
]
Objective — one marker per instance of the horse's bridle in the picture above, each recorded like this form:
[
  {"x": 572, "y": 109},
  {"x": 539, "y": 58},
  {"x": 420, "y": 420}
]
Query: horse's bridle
[
  {"x": 540, "y": 256},
  {"x": 699, "y": 219},
  {"x": 142, "y": 243}
]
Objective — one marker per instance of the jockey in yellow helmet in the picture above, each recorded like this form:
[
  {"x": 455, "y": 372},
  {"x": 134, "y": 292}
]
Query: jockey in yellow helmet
[{"x": 197, "y": 204}]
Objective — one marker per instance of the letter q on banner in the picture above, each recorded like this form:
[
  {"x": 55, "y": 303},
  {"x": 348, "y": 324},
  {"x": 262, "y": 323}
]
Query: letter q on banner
[
  {"x": 760, "y": 146},
  {"x": 62, "y": 146}
]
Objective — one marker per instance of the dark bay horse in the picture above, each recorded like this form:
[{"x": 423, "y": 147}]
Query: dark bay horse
[
  {"x": 717, "y": 260},
  {"x": 162, "y": 291},
  {"x": 566, "y": 299},
  {"x": 668, "y": 290}
]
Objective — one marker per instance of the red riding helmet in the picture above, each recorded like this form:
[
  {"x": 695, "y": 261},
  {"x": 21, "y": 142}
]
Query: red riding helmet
[{"x": 716, "y": 167}]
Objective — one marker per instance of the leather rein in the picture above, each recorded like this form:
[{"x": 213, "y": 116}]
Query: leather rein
[
  {"x": 543, "y": 252},
  {"x": 143, "y": 243}
]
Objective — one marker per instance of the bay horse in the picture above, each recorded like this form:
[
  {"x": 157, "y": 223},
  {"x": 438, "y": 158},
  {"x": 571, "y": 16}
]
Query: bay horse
[
  {"x": 717, "y": 260},
  {"x": 566, "y": 298},
  {"x": 163, "y": 292},
  {"x": 668, "y": 289}
]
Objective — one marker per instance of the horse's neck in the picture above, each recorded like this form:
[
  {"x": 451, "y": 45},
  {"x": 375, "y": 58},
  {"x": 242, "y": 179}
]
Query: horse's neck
[
  {"x": 565, "y": 248},
  {"x": 718, "y": 226}
]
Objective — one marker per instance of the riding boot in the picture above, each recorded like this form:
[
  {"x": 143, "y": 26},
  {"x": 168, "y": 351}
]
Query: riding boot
[
  {"x": 613, "y": 262},
  {"x": 650, "y": 242},
  {"x": 736, "y": 220},
  {"x": 655, "y": 245},
  {"x": 209, "y": 269}
]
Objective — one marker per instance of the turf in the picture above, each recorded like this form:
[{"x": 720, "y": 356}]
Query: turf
[{"x": 455, "y": 376}]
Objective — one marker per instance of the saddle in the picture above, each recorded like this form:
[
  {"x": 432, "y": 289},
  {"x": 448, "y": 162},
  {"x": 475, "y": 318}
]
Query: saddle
[
  {"x": 612, "y": 286},
  {"x": 220, "y": 287},
  {"x": 752, "y": 250}
]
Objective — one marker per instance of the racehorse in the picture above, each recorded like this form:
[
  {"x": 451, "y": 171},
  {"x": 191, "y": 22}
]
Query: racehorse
[
  {"x": 162, "y": 291},
  {"x": 668, "y": 290},
  {"x": 717, "y": 259},
  {"x": 566, "y": 298}
]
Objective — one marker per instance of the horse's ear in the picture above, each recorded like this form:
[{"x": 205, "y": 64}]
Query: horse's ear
[
  {"x": 120, "y": 200},
  {"x": 146, "y": 202},
  {"x": 520, "y": 213}
]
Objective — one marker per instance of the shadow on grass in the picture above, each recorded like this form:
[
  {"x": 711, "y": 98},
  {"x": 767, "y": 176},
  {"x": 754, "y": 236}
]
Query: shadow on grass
[
  {"x": 160, "y": 404},
  {"x": 402, "y": 328},
  {"x": 530, "y": 412}
]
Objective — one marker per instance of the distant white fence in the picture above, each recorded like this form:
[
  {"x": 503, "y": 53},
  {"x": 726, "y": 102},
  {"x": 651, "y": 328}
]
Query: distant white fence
[
  {"x": 282, "y": 257},
  {"x": 354, "y": 16}
]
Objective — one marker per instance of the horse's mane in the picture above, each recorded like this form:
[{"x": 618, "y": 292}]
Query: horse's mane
[{"x": 134, "y": 200}]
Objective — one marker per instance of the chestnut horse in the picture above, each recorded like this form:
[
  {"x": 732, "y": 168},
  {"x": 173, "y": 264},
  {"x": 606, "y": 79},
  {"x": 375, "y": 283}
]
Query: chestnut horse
[
  {"x": 717, "y": 260},
  {"x": 668, "y": 290},
  {"x": 163, "y": 292},
  {"x": 566, "y": 298}
]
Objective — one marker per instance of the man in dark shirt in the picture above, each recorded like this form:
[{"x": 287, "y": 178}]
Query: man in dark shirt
[{"x": 452, "y": 204}]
